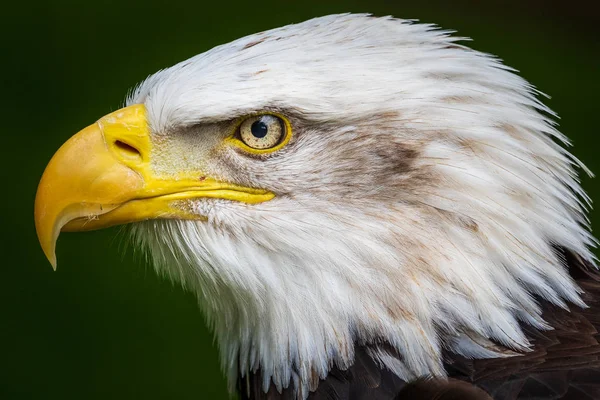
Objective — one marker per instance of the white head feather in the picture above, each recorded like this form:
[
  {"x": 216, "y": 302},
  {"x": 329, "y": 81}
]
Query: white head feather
[{"x": 417, "y": 203}]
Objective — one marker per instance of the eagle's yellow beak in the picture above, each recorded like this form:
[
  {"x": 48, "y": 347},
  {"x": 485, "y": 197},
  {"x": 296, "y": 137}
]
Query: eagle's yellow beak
[{"x": 103, "y": 176}]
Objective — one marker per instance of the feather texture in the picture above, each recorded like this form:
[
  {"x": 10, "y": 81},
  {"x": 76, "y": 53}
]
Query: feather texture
[{"x": 564, "y": 364}]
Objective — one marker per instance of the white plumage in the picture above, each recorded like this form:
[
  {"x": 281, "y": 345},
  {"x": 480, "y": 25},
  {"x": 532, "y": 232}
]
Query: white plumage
[{"x": 417, "y": 202}]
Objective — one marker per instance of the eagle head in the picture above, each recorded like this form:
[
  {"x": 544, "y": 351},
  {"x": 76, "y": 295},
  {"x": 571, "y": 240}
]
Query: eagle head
[{"x": 345, "y": 181}]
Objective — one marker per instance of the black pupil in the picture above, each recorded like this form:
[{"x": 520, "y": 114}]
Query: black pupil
[{"x": 259, "y": 129}]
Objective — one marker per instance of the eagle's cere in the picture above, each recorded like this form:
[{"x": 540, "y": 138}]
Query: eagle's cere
[{"x": 345, "y": 185}]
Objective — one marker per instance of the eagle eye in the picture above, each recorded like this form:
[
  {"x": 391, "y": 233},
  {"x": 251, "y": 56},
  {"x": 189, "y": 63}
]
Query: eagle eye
[{"x": 262, "y": 132}]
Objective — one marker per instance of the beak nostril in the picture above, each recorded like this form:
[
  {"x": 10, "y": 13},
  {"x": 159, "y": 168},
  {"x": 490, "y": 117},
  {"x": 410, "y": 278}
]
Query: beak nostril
[{"x": 127, "y": 150}]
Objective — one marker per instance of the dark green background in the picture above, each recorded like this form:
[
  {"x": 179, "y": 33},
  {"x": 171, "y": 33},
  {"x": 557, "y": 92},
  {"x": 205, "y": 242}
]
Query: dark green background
[{"x": 103, "y": 326}]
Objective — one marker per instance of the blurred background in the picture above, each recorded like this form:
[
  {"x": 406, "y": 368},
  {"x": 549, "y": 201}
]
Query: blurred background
[{"x": 104, "y": 326}]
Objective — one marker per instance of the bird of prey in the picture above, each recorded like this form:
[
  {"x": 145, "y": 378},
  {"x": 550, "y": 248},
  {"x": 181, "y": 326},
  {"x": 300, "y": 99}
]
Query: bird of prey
[{"x": 365, "y": 208}]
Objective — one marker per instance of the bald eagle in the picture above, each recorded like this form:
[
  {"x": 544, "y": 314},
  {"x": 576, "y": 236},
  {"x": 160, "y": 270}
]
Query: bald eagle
[{"x": 364, "y": 207}]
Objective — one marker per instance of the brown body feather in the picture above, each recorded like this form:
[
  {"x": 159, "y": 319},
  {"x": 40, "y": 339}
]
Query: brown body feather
[{"x": 564, "y": 363}]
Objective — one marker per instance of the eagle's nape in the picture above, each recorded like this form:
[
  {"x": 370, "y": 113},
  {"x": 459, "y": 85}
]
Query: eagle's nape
[{"x": 563, "y": 365}]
